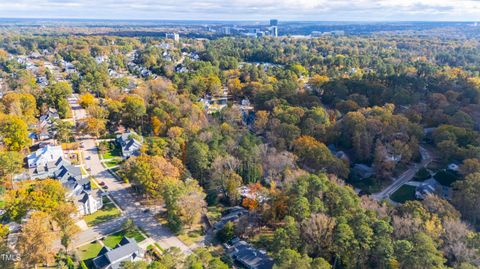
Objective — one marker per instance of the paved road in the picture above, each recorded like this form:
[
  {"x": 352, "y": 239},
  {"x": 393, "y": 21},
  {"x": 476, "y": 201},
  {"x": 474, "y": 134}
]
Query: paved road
[
  {"x": 405, "y": 177},
  {"x": 122, "y": 194}
]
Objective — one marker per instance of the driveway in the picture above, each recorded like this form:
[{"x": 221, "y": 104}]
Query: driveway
[
  {"x": 122, "y": 195},
  {"x": 405, "y": 176}
]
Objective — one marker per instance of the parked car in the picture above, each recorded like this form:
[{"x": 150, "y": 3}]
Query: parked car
[
  {"x": 105, "y": 187},
  {"x": 88, "y": 158},
  {"x": 102, "y": 183}
]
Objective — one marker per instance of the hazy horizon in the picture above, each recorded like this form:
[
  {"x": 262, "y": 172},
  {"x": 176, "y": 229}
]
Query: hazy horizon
[{"x": 246, "y": 10}]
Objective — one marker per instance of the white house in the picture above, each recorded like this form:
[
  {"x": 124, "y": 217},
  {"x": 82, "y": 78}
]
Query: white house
[
  {"x": 48, "y": 162},
  {"x": 44, "y": 155},
  {"x": 89, "y": 204}
]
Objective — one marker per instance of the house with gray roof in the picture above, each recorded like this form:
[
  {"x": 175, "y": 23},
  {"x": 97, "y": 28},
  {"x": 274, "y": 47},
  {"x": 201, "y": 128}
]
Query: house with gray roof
[
  {"x": 44, "y": 155},
  {"x": 233, "y": 215},
  {"x": 362, "y": 171},
  {"x": 42, "y": 165},
  {"x": 126, "y": 250},
  {"x": 130, "y": 143},
  {"x": 46, "y": 124},
  {"x": 248, "y": 256}
]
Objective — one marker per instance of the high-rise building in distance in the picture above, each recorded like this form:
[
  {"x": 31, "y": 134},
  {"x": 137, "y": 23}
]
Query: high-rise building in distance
[
  {"x": 274, "y": 31},
  {"x": 174, "y": 36}
]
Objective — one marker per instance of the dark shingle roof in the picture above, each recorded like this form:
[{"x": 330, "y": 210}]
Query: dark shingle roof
[
  {"x": 113, "y": 257},
  {"x": 251, "y": 257},
  {"x": 101, "y": 262}
]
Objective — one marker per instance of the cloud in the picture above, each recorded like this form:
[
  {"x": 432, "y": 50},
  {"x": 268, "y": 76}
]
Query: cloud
[{"x": 338, "y": 10}]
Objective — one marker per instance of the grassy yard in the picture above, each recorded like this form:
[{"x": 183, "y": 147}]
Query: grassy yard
[
  {"x": 112, "y": 163},
  {"x": 112, "y": 240},
  {"x": 89, "y": 251},
  {"x": 191, "y": 237},
  {"x": 263, "y": 238},
  {"x": 112, "y": 150},
  {"x": 108, "y": 212},
  {"x": 405, "y": 193},
  {"x": 214, "y": 213}
]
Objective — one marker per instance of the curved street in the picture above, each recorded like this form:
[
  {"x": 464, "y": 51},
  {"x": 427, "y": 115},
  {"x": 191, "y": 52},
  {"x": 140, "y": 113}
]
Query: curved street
[{"x": 405, "y": 176}]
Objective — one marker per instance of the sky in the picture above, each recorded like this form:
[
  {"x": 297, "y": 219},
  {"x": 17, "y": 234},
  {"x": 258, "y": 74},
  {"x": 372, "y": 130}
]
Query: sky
[{"x": 243, "y": 10}]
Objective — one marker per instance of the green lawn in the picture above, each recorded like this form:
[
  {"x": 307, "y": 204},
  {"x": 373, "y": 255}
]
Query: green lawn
[
  {"x": 405, "y": 193},
  {"x": 89, "y": 251},
  {"x": 112, "y": 163},
  {"x": 108, "y": 212},
  {"x": 112, "y": 151},
  {"x": 112, "y": 240},
  {"x": 190, "y": 237},
  {"x": 214, "y": 213}
]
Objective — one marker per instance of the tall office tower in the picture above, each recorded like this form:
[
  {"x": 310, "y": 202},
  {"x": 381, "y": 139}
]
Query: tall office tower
[
  {"x": 273, "y": 22},
  {"x": 274, "y": 31}
]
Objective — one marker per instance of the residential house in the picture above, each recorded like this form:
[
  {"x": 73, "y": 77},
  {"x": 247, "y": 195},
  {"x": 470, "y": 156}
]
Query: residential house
[
  {"x": 248, "y": 256},
  {"x": 130, "y": 143},
  {"x": 427, "y": 187},
  {"x": 48, "y": 162},
  {"x": 46, "y": 124},
  {"x": 362, "y": 171},
  {"x": 432, "y": 186},
  {"x": 44, "y": 155},
  {"x": 233, "y": 215},
  {"x": 126, "y": 250},
  {"x": 89, "y": 204}
]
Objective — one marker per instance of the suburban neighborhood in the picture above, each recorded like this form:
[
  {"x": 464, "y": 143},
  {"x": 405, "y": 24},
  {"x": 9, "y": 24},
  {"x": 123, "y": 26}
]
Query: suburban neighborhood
[{"x": 138, "y": 144}]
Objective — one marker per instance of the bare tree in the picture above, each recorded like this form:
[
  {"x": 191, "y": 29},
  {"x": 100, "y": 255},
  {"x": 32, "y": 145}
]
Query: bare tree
[{"x": 317, "y": 231}]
